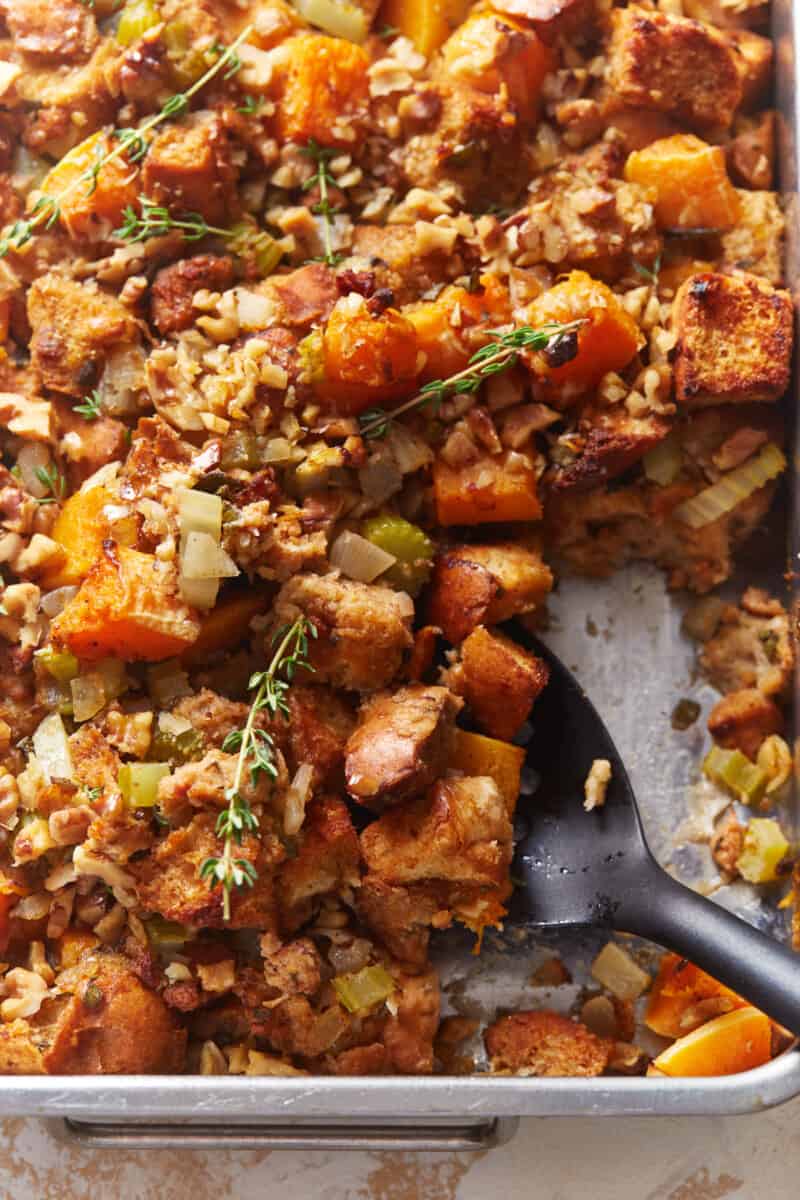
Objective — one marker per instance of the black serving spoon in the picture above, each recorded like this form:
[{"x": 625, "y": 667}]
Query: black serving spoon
[{"x": 595, "y": 868}]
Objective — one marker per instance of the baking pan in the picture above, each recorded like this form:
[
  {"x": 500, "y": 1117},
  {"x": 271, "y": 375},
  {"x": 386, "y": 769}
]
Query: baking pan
[{"x": 623, "y": 639}]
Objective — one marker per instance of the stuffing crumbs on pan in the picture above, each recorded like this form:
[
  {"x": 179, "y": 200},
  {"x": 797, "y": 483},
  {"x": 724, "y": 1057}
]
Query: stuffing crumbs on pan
[
  {"x": 596, "y": 785},
  {"x": 328, "y": 333}
]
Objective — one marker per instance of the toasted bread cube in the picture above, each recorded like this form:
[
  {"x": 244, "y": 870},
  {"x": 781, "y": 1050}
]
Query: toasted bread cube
[
  {"x": 751, "y": 153},
  {"x": 674, "y": 65},
  {"x": 490, "y": 52},
  {"x": 753, "y": 56},
  {"x": 743, "y": 720},
  {"x": 550, "y": 18},
  {"x": 189, "y": 168},
  {"x": 755, "y": 244},
  {"x": 545, "y": 1043},
  {"x": 483, "y": 585},
  {"x": 499, "y": 681},
  {"x": 688, "y": 182},
  {"x": 327, "y": 859},
  {"x": 734, "y": 340},
  {"x": 320, "y": 86}
]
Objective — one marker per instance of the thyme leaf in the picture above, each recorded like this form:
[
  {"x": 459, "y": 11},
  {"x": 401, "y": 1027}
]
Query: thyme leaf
[
  {"x": 55, "y": 483},
  {"x": 155, "y": 220},
  {"x": 256, "y": 750},
  {"x": 91, "y": 407},
  {"x": 322, "y": 178}
]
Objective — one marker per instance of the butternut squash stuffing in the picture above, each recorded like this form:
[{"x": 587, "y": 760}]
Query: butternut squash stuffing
[{"x": 323, "y": 351}]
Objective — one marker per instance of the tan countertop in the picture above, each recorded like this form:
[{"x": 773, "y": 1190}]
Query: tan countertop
[{"x": 750, "y": 1158}]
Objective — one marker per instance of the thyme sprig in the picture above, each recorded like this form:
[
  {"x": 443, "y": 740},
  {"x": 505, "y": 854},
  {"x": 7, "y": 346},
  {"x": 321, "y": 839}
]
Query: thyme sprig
[
  {"x": 154, "y": 220},
  {"x": 322, "y": 178},
  {"x": 257, "y": 755},
  {"x": 55, "y": 483},
  {"x": 499, "y": 354},
  {"x": 131, "y": 143},
  {"x": 91, "y": 407}
]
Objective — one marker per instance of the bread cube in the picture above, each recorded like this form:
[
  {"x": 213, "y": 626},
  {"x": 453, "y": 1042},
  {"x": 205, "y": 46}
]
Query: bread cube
[
  {"x": 755, "y": 244},
  {"x": 189, "y": 168},
  {"x": 674, "y": 65},
  {"x": 734, "y": 340}
]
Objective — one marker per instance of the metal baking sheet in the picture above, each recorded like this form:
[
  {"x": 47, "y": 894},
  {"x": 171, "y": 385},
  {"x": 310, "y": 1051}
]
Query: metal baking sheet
[{"x": 623, "y": 639}]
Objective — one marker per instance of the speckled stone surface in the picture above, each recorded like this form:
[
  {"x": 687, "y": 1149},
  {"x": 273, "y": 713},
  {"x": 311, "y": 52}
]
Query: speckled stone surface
[{"x": 750, "y": 1158}]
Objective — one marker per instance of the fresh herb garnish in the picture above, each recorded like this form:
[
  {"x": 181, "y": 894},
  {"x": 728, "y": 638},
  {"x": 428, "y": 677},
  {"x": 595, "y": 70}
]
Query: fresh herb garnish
[
  {"x": 257, "y": 755},
  {"x": 322, "y": 178},
  {"x": 47, "y": 209},
  {"x": 154, "y": 220},
  {"x": 55, "y": 483},
  {"x": 648, "y": 273},
  {"x": 387, "y": 31},
  {"x": 91, "y": 407},
  {"x": 497, "y": 355},
  {"x": 251, "y": 105}
]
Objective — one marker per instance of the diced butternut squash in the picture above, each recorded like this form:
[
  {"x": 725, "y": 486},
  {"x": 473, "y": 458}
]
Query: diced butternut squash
[
  {"x": 491, "y": 52},
  {"x": 95, "y": 205},
  {"x": 681, "y": 992},
  {"x": 225, "y": 625},
  {"x": 688, "y": 181},
  {"x": 366, "y": 359},
  {"x": 607, "y": 341},
  {"x": 737, "y": 1041},
  {"x": 80, "y": 530},
  {"x": 496, "y": 488},
  {"x": 128, "y": 606},
  {"x": 446, "y": 327},
  {"x": 321, "y": 88},
  {"x": 427, "y": 22},
  {"x": 475, "y": 754}
]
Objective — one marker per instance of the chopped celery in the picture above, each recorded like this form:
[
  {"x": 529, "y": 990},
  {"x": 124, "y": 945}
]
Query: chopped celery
[
  {"x": 248, "y": 241},
  {"x": 763, "y": 849},
  {"x": 177, "y": 748},
  {"x": 407, "y": 543},
  {"x": 137, "y": 17},
  {"x": 240, "y": 450},
  {"x": 364, "y": 989},
  {"x": 662, "y": 464},
  {"x": 338, "y": 17},
  {"x": 733, "y": 770},
  {"x": 62, "y": 665},
  {"x": 163, "y": 934},
  {"x": 312, "y": 357},
  {"x": 732, "y": 488},
  {"x": 187, "y": 63},
  {"x": 139, "y": 782}
]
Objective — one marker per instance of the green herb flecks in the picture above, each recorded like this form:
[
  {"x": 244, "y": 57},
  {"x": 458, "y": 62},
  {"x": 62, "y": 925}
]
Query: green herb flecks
[
  {"x": 90, "y": 409},
  {"x": 155, "y": 220},
  {"x": 55, "y": 483},
  {"x": 322, "y": 178}
]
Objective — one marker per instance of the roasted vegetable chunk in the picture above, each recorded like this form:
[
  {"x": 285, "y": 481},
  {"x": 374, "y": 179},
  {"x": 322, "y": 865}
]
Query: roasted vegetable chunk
[
  {"x": 734, "y": 340},
  {"x": 545, "y": 1043},
  {"x": 492, "y": 53},
  {"x": 366, "y": 358},
  {"x": 128, "y": 605},
  {"x": 320, "y": 87},
  {"x": 485, "y": 584},
  {"x": 98, "y": 212},
  {"x": 492, "y": 488},
  {"x": 688, "y": 182},
  {"x": 363, "y": 630},
  {"x": 401, "y": 744},
  {"x": 73, "y": 329},
  {"x": 674, "y": 65},
  {"x": 499, "y": 681}
]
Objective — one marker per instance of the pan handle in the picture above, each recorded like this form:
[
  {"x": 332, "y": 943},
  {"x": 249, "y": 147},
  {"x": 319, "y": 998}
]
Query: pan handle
[
  {"x": 758, "y": 967},
  {"x": 449, "y": 1135}
]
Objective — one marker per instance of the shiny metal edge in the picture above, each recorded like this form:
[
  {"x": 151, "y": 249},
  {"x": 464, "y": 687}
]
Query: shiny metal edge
[{"x": 344, "y": 1113}]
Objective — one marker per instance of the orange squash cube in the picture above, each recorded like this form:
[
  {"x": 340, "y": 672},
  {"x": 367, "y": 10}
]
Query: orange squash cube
[
  {"x": 489, "y": 52},
  {"x": 679, "y": 987},
  {"x": 689, "y": 183},
  {"x": 225, "y": 625},
  {"x": 80, "y": 531},
  {"x": 321, "y": 88},
  {"x": 92, "y": 207},
  {"x": 447, "y": 326},
  {"x": 607, "y": 341},
  {"x": 127, "y": 606},
  {"x": 73, "y": 944},
  {"x": 491, "y": 489},
  {"x": 366, "y": 359},
  {"x": 475, "y": 754},
  {"x": 737, "y": 1041},
  {"x": 427, "y": 22}
]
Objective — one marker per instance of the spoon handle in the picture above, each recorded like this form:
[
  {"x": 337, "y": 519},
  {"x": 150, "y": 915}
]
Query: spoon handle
[{"x": 760, "y": 969}]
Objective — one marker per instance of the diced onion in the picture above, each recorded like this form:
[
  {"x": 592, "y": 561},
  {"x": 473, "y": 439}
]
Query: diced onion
[
  {"x": 335, "y": 16},
  {"x": 297, "y": 798},
  {"x": 277, "y": 450},
  {"x": 170, "y": 723},
  {"x": 139, "y": 782},
  {"x": 33, "y": 457},
  {"x": 200, "y": 593},
  {"x": 662, "y": 464},
  {"x": 734, "y": 487},
  {"x": 88, "y": 696},
  {"x": 51, "y": 747},
  {"x": 409, "y": 452},
  {"x": 200, "y": 512},
  {"x": 203, "y": 558},
  {"x": 53, "y": 602},
  {"x": 167, "y": 682},
  {"x": 359, "y": 559},
  {"x": 364, "y": 989}
]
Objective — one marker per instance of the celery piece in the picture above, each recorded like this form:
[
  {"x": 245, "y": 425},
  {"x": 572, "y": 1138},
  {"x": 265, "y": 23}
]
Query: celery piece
[
  {"x": 62, "y": 665},
  {"x": 139, "y": 782},
  {"x": 764, "y": 847},
  {"x": 177, "y": 748},
  {"x": 733, "y": 770},
  {"x": 407, "y": 543},
  {"x": 163, "y": 934},
  {"x": 364, "y": 989},
  {"x": 136, "y": 18}
]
